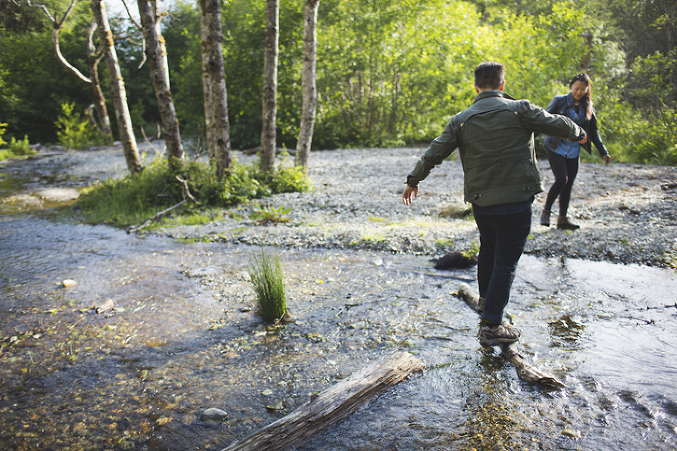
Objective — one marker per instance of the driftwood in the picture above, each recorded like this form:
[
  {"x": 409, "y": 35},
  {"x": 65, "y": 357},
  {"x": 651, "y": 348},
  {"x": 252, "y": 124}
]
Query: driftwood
[
  {"x": 331, "y": 405},
  {"x": 155, "y": 217},
  {"x": 525, "y": 371}
]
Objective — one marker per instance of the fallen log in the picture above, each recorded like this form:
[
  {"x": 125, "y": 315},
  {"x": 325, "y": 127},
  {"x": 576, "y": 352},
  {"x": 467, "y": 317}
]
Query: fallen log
[
  {"x": 525, "y": 371},
  {"x": 331, "y": 405}
]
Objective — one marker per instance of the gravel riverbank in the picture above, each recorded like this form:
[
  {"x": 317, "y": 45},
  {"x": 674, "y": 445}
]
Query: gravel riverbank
[{"x": 626, "y": 211}]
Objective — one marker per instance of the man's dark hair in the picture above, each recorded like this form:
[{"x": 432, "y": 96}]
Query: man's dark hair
[{"x": 489, "y": 76}]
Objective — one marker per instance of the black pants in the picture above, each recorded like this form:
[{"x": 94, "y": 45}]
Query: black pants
[
  {"x": 502, "y": 240},
  {"x": 565, "y": 170}
]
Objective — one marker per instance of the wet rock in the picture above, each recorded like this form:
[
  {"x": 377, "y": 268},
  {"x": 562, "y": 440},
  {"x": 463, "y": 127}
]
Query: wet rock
[
  {"x": 203, "y": 272},
  {"x": 455, "y": 260},
  {"x": 214, "y": 414}
]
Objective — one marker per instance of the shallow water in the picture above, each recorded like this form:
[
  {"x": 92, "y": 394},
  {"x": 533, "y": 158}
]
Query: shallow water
[{"x": 183, "y": 337}]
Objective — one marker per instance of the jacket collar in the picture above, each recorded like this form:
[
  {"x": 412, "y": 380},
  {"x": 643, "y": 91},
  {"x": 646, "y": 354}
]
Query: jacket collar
[
  {"x": 570, "y": 100},
  {"x": 485, "y": 94}
]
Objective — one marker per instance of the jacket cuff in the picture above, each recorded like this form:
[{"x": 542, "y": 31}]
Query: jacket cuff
[{"x": 410, "y": 182}]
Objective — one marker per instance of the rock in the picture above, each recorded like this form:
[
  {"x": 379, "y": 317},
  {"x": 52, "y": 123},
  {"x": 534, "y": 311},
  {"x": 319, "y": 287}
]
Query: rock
[
  {"x": 213, "y": 414},
  {"x": 571, "y": 433},
  {"x": 455, "y": 260},
  {"x": 69, "y": 283}
]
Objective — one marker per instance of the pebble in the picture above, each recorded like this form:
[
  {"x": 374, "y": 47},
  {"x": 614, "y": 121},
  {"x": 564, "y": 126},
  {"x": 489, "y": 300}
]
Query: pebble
[{"x": 213, "y": 414}]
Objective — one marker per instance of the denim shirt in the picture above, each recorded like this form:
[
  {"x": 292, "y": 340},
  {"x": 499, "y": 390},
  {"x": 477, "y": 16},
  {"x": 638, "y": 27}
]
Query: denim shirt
[{"x": 571, "y": 149}]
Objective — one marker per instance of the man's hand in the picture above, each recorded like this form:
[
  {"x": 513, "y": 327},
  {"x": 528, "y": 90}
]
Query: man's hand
[
  {"x": 407, "y": 194},
  {"x": 607, "y": 159},
  {"x": 583, "y": 141}
]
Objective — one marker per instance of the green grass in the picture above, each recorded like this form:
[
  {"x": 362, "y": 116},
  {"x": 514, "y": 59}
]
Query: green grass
[
  {"x": 267, "y": 278},
  {"x": 135, "y": 198}
]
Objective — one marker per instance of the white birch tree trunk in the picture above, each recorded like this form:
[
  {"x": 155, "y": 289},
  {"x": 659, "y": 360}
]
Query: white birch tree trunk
[
  {"x": 118, "y": 92},
  {"x": 268, "y": 132},
  {"x": 217, "y": 106},
  {"x": 159, "y": 74},
  {"x": 308, "y": 84}
]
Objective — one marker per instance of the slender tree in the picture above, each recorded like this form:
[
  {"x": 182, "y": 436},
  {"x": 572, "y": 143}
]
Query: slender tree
[
  {"x": 215, "y": 96},
  {"x": 93, "y": 59},
  {"x": 117, "y": 90},
  {"x": 268, "y": 135},
  {"x": 94, "y": 56},
  {"x": 308, "y": 84},
  {"x": 159, "y": 74}
]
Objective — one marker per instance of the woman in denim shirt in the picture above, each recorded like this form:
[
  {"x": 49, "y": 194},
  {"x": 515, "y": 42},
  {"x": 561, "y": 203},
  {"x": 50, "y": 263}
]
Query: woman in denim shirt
[{"x": 563, "y": 154}]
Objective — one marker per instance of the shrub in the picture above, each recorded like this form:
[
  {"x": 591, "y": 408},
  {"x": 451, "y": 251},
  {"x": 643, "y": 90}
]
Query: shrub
[
  {"x": 267, "y": 279},
  {"x": 135, "y": 198},
  {"x": 74, "y": 131}
]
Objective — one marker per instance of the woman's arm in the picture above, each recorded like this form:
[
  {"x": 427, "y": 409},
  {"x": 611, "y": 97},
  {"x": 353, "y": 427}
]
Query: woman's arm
[{"x": 593, "y": 137}]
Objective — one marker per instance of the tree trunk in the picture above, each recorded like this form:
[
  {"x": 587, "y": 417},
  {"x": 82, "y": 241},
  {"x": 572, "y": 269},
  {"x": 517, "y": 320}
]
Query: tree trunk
[
  {"x": 117, "y": 90},
  {"x": 268, "y": 135},
  {"x": 216, "y": 104},
  {"x": 308, "y": 83},
  {"x": 93, "y": 59},
  {"x": 210, "y": 142},
  {"x": 331, "y": 405},
  {"x": 159, "y": 74}
]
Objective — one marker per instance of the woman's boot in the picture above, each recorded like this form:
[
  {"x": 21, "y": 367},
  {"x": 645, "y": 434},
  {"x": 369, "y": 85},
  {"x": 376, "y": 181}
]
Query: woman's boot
[
  {"x": 545, "y": 218},
  {"x": 563, "y": 223}
]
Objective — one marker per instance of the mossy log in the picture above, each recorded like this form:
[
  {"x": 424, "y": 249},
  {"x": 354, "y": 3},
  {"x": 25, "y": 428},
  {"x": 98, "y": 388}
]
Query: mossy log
[
  {"x": 332, "y": 405},
  {"x": 525, "y": 371}
]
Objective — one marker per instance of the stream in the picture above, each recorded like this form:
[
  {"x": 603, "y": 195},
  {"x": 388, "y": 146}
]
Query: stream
[{"x": 119, "y": 341}]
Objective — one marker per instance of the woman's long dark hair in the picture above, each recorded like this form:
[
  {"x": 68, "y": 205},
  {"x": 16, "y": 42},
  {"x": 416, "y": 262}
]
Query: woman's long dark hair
[{"x": 586, "y": 101}]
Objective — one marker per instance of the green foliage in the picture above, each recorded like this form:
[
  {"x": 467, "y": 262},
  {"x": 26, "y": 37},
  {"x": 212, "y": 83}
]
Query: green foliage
[
  {"x": 267, "y": 278},
  {"x": 16, "y": 148},
  {"x": 135, "y": 198},
  {"x": 389, "y": 73},
  {"x": 75, "y": 131},
  {"x": 2, "y": 132}
]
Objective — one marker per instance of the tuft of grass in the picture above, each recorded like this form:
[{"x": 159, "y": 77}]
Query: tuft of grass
[
  {"x": 266, "y": 215},
  {"x": 470, "y": 253},
  {"x": 267, "y": 279}
]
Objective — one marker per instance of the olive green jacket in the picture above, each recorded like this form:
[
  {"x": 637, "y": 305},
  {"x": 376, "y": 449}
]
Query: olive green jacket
[{"x": 496, "y": 144}]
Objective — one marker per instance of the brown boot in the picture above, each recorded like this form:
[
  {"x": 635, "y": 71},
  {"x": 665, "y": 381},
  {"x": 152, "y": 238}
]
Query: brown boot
[
  {"x": 563, "y": 223},
  {"x": 545, "y": 218}
]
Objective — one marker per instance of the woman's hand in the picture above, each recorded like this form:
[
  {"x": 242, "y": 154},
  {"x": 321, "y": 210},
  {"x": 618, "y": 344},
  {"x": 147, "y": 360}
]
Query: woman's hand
[
  {"x": 408, "y": 193},
  {"x": 607, "y": 159},
  {"x": 583, "y": 141}
]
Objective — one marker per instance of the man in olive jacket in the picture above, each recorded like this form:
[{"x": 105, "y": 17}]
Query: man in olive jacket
[{"x": 496, "y": 145}]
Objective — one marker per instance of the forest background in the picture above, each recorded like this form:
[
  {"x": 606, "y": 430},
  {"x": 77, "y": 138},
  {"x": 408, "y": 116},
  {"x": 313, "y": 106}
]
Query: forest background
[{"x": 388, "y": 73}]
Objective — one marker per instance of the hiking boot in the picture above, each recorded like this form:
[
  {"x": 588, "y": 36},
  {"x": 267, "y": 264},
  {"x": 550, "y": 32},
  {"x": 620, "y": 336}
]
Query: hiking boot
[
  {"x": 564, "y": 224},
  {"x": 545, "y": 218},
  {"x": 503, "y": 333},
  {"x": 480, "y": 305}
]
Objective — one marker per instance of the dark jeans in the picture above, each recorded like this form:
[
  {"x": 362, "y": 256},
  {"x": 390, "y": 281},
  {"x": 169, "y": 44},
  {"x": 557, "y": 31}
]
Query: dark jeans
[
  {"x": 502, "y": 240},
  {"x": 564, "y": 170}
]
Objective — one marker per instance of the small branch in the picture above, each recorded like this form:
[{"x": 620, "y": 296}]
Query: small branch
[
  {"x": 155, "y": 217},
  {"x": 186, "y": 191},
  {"x": 143, "y": 40}
]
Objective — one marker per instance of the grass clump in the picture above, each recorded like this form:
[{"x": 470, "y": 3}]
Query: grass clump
[
  {"x": 135, "y": 198},
  {"x": 267, "y": 279}
]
